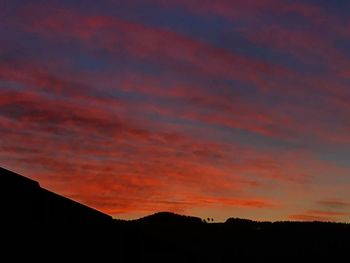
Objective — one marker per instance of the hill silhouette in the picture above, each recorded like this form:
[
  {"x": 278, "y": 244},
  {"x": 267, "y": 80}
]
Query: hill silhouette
[
  {"x": 35, "y": 220},
  {"x": 167, "y": 218}
]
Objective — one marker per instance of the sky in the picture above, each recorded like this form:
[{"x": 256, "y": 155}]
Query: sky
[{"x": 207, "y": 108}]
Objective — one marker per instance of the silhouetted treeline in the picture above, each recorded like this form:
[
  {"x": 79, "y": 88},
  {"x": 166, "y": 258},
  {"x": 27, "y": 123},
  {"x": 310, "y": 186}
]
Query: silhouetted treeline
[
  {"x": 36, "y": 223},
  {"x": 238, "y": 239}
]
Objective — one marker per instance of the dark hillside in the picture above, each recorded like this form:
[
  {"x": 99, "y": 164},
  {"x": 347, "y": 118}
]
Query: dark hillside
[{"x": 36, "y": 220}]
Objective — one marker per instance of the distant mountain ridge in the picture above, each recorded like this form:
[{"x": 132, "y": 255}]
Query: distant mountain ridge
[{"x": 169, "y": 218}]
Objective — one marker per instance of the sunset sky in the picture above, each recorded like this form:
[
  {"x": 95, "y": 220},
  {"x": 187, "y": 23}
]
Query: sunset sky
[{"x": 209, "y": 108}]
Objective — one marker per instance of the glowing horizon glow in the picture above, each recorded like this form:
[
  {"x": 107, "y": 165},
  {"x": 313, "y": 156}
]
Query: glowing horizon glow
[{"x": 207, "y": 108}]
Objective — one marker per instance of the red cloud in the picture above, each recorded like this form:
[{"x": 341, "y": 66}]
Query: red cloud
[
  {"x": 173, "y": 50},
  {"x": 105, "y": 151},
  {"x": 127, "y": 173},
  {"x": 251, "y": 117},
  {"x": 120, "y": 167},
  {"x": 285, "y": 121},
  {"x": 91, "y": 154}
]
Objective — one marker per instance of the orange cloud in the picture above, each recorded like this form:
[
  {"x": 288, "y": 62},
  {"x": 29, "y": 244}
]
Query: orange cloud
[
  {"x": 320, "y": 215},
  {"x": 307, "y": 217},
  {"x": 327, "y": 213}
]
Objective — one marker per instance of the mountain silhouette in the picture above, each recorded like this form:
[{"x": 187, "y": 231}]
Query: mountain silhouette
[{"x": 35, "y": 221}]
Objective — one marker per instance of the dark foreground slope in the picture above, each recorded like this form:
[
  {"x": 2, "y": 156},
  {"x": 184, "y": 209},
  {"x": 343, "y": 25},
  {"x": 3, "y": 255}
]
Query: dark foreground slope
[
  {"x": 24, "y": 199},
  {"x": 35, "y": 221}
]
